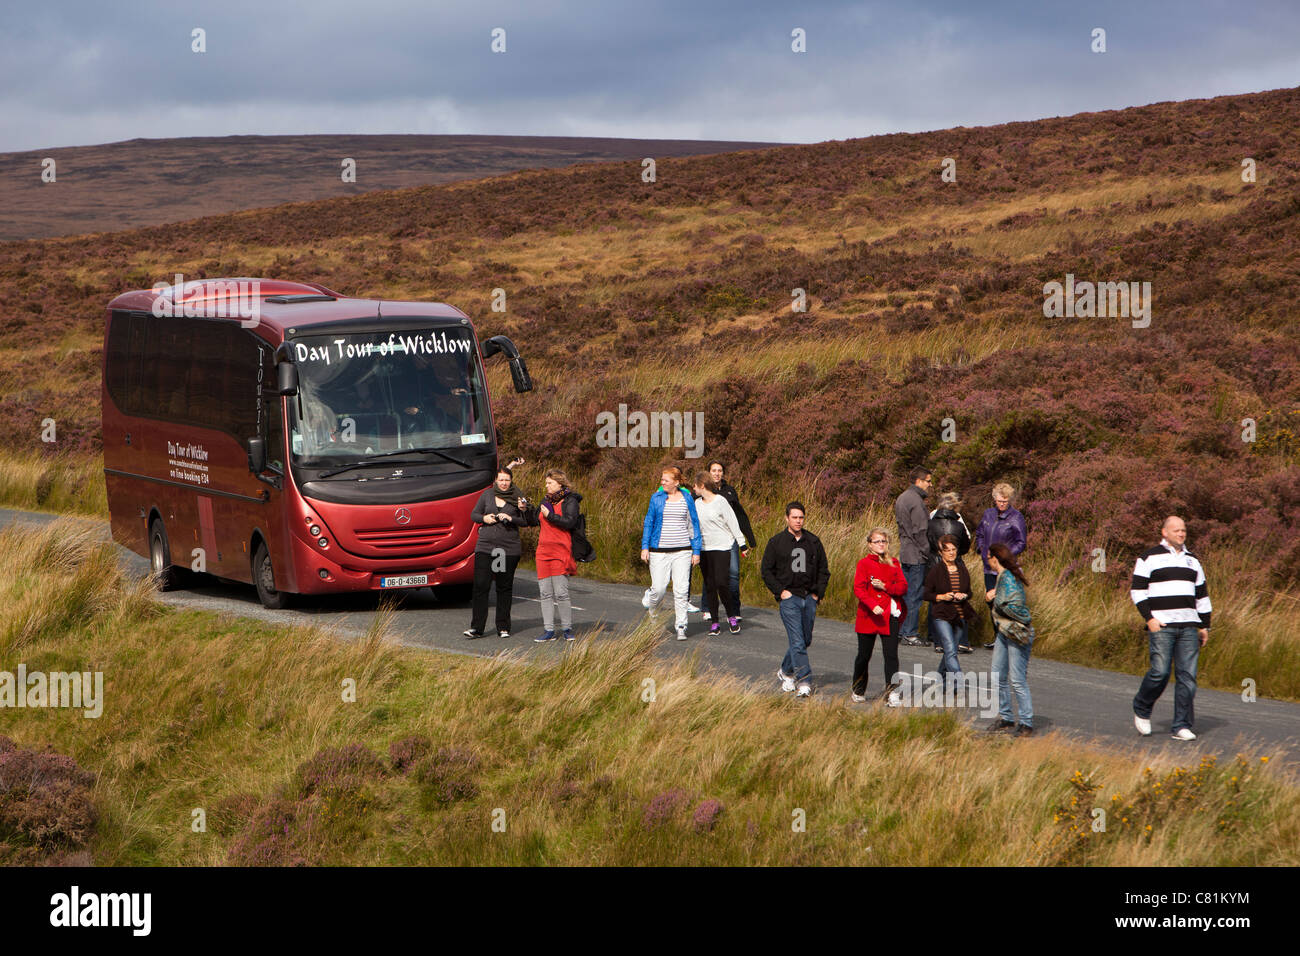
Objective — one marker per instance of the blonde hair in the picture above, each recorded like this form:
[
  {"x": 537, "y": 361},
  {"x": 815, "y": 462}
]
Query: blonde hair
[
  {"x": 950, "y": 500},
  {"x": 1003, "y": 490},
  {"x": 884, "y": 558},
  {"x": 559, "y": 476}
]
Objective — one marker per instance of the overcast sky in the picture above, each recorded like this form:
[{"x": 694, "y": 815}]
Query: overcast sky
[{"x": 93, "y": 71}]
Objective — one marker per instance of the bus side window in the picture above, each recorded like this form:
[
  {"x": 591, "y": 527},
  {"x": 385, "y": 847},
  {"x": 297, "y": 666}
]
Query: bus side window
[
  {"x": 133, "y": 382},
  {"x": 117, "y": 358}
]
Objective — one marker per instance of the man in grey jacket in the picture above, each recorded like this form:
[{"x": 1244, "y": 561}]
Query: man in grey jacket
[{"x": 914, "y": 546}]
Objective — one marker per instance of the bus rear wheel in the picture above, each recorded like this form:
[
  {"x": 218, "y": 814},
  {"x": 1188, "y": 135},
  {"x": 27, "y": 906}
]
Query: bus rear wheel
[
  {"x": 264, "y": 580},
  {"x": 160, "y": 558}
]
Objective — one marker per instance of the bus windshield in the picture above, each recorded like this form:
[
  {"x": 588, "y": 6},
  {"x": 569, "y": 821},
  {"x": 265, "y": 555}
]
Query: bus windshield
[{"x": 370, "y": 393}]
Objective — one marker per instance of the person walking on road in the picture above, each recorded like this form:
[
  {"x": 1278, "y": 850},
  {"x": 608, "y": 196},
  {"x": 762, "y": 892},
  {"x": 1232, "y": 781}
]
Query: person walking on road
[
  {"x": 879, "y": 586},
  {"x": 500, "y": 512},
  {"x": 670, "y": 544},
  {"x": 914, "y": 547},
  {"x": 796, "y": 572},
  {"x": 1014, "y": 640},
  {"x": 1171, "y": 594},
  {"x": 947, "y": 588},
  {"x": 558, "y": 515},
  {"x": 720, "y": 533},
  {"x": 717, "y": 471},
  {"x": 1001, "y": 523}
]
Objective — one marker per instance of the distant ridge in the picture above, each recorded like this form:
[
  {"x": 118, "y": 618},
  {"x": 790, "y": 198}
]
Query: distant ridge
[{"x": 149, "y": 182}]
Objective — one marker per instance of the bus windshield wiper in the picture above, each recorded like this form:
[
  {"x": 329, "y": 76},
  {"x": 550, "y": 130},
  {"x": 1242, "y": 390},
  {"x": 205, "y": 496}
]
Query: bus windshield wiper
[{"x": 375, "y": 459}]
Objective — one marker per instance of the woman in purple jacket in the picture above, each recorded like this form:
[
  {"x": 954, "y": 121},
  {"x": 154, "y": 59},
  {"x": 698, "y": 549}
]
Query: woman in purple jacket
[{"x": 1001, "y": 524}]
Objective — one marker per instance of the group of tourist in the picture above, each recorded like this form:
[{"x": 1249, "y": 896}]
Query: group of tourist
[
  {"x": 500, "y": 512},
  {"x": 705, "y": 526}
]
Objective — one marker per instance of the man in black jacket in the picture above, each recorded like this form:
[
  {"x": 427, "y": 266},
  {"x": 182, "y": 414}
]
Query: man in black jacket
[
  {"x": 716, "y": 470},
  {"x": 796, "y": 572}
]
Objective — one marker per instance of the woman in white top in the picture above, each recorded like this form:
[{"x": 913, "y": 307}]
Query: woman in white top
[{"x": 720, "y": 530}]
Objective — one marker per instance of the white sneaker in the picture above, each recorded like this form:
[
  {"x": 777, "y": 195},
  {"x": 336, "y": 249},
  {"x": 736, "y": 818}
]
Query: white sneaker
[
  {"x": 787, "y": 682},
  {"x": 859, "y": 698},
  {"x": 645, "y": 598},
  {"x": 805, "y": 690},
  {"x": 895, "y": 699},
  {"x": 1184, "y": 734},
  {"x": 1143, "y": 725},
  {"x": 708, "y": 616},
  {"x": 691, "y": 608},
  {"x": 681, "y": 634}
]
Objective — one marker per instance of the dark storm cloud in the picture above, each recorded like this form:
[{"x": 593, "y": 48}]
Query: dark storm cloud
[{"x": 84, "y": 72}]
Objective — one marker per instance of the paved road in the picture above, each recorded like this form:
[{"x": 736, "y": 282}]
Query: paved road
[{"x": 1081, "y": 702}]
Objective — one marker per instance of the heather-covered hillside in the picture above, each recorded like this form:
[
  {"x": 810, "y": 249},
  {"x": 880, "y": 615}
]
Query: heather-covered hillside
[{"x": 925, "y": 303}]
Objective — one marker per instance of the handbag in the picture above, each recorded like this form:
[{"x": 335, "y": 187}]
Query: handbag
[
  {"x": 1011, "y": 628},
  {"x": 578, "y": 543}
]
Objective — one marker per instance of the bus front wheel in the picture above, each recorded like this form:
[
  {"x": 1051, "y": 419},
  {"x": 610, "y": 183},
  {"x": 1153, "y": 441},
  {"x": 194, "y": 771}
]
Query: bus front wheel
[
  {"x": 264, "y": 580},
  {"x": 160, "y": 559}
]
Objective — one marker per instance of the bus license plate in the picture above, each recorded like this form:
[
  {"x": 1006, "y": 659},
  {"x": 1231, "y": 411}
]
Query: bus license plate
[{"x": 405, "y": 581}]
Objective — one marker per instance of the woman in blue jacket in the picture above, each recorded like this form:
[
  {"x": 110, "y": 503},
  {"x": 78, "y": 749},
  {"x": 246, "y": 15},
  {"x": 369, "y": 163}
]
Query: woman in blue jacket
[
  {"x": 1015, "y": 641},
  {"x": 670, "y": 544}
]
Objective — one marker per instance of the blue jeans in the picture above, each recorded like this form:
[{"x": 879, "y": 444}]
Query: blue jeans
[
  {"x": 798, "y": 614},
  {"x": 950, "y": 634},
  {"x": 1180, "y": 646},
  {"x": 734, "y": 580},
  {"x": 915, "y": 575},
  {"x": 1011, "y": 665}
]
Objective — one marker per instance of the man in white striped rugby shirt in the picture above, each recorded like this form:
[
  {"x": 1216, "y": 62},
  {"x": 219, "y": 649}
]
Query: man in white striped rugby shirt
[{"x": 1170, "y": 592}]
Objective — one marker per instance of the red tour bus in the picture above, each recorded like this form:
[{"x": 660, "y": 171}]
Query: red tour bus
[{"x": 306, "y": 443}]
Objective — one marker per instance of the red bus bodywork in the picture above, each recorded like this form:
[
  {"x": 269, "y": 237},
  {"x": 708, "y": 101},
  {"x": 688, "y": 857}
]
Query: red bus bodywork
[{"x": 197, "y": 483}]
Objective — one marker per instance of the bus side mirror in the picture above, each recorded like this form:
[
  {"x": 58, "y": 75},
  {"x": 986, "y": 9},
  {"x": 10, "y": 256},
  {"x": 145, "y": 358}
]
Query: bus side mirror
[
  {"x": 518, "y": 367},
  {"x": 519, "y": 372},
  {"x": 257, "y": 455},
  {"x": 286, "y": 378}
]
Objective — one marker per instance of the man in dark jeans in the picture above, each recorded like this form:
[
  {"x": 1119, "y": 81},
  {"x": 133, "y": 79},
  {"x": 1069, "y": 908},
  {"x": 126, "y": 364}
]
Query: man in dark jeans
[
  {"x": 1171, "y": 594},
  {"x": 914, "y": 547},
  {"x": 796, "y": 572}
]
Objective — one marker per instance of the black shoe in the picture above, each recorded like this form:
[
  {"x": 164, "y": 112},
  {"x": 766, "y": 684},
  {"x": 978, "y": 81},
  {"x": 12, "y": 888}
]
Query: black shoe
[
  {"x": 990, "y": 645},
  {"x": 911, "y": 641},
  {"x": 1001, "y": 726},
  {"x": 1023, "y": 731},
  {"x": 965, "y": 649},
  {"x": 473, "y": 635}
]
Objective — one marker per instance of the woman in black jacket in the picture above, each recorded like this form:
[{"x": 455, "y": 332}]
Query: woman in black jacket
[
  {"x": 947, "y": 588},
  {"x": 716, "y": 471},
  {"x": 500, "y": 512}
]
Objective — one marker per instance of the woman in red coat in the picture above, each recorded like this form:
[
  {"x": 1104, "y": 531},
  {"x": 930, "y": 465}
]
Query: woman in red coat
[
  {"x": 558, "y": 515},
  {"x": 879, "y": 586}
]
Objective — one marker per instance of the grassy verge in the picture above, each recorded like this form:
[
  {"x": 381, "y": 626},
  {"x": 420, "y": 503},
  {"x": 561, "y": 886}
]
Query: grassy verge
[
  {"x": 65, "y": 484},
  {"x": 606, "y": 757}
]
